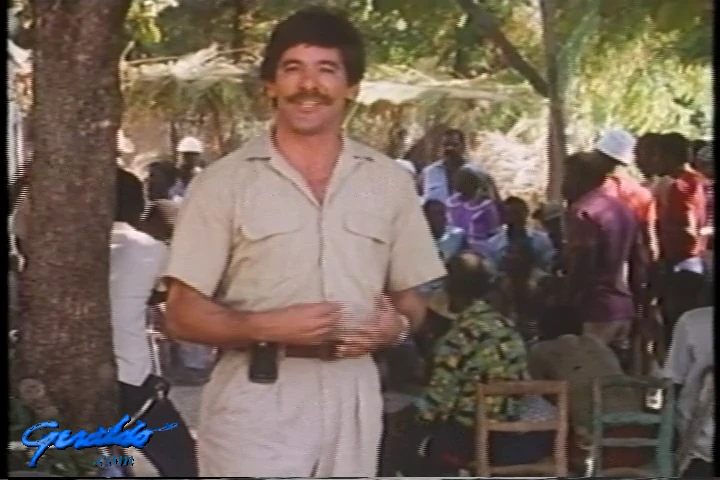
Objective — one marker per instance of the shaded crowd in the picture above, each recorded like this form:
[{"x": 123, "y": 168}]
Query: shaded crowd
[
  {"x": 615, "y": 280},
  {"x": 571, "y": 291}
]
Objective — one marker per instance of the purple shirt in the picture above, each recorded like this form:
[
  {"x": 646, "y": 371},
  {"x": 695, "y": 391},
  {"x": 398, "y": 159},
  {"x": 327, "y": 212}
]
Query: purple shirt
[
  {"x": 479, "y": 218},
  {"x": 605, "y": 225}
]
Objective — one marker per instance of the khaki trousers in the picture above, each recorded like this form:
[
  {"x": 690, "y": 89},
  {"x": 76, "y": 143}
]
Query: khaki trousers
[{"x": 319, "y": 419}]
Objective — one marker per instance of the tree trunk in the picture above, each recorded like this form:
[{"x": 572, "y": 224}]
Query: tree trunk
[
  {"x": 557, "y": 149},
  {"x": 66, "y": 365}
]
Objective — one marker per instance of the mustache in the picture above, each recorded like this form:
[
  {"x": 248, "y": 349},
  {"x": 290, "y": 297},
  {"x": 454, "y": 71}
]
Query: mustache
[{"x": 313, "y": 96}]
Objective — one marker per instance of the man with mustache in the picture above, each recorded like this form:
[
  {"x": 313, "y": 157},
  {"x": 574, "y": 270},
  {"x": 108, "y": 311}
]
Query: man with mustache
[
  {"x": 276, "y": 246},
  {"x": 437, "y": 178}
]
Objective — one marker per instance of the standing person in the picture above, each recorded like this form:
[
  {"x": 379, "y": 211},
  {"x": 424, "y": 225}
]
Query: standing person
[
  {"x": 190, "y": 150},
  {"x": 615, "y": 149},
  {"x": 685, "y": 213},
  {"x": 162, "y": 177},
  {"x": 276, "y": 246},
  {"x": 602, "y": 242},
  {"x": 649, "y": 160},
  {"x": 136, "y": 263},
  {"x": 473, "y": 208},
  {"x": 438, "y": 177},
  {"x": 681, "y": 220}
]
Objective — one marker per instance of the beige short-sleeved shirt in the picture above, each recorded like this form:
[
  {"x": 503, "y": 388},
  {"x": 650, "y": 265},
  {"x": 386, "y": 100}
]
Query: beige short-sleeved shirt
[{"x": 252, "y": 236}]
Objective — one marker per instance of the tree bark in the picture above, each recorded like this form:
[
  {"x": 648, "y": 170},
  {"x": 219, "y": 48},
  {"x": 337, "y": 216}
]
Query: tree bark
[
  {"x": 66, "y": 365},
  {"x": 485, "y": 22},
  {"x": 557, "y": 149}
]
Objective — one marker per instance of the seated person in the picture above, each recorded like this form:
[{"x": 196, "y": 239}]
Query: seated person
[
  {"x": 516, "y": 286},
  {"x": 691, "y": 353},
  {"x": 515, "y": 214},
  {"x": 481, "y": 346},
  {"x": 564, "y": 352},
  {"x": 450, "y": 240},
  {"x": 472, "y": 208}
]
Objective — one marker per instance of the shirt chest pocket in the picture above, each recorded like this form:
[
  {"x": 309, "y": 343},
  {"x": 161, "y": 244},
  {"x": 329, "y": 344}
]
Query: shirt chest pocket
[
  {"x": 271, "y": 244},
  {"x": 368, "y": 240}
]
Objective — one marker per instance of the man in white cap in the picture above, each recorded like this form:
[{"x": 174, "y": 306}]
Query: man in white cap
[
  {"x": 190, "y": 150},
  {"x": 615, "y": 150}
]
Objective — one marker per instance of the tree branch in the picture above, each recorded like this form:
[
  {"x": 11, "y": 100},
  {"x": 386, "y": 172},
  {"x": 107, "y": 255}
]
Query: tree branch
[{"x": 488, "y": 26}]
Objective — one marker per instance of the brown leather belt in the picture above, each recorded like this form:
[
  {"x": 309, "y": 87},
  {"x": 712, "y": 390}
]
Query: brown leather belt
[{"x": 323, "y": 352}]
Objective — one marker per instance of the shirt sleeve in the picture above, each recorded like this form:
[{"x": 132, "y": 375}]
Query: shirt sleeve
[
  {"x": 414, "y": 258},
  {"x": 679, "y": 357},
  {"x": 202, "y": 239}
]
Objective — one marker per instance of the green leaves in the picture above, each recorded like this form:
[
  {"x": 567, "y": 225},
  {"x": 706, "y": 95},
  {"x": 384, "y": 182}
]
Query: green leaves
[{"x": 141, "y": 20}]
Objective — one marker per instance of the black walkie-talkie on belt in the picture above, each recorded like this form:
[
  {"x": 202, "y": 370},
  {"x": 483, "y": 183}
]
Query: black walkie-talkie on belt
[{"x": 263, "y": 363}]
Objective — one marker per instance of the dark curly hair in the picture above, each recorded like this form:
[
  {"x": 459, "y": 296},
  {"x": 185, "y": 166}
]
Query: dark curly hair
[{"x": 321, "y": 27}]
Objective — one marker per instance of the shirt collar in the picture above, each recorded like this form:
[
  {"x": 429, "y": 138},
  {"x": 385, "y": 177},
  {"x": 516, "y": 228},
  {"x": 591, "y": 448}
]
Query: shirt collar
[{"x": 262, "y": 147}]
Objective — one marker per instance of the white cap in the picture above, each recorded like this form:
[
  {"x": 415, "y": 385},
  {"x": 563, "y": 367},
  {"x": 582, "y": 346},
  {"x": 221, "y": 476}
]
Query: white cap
[
  {"x": 618, "y": 144},
  {"x": 407, "y": 165},
  {"x": 190, "y": 145},
  {"x": 124, "y": 144}
]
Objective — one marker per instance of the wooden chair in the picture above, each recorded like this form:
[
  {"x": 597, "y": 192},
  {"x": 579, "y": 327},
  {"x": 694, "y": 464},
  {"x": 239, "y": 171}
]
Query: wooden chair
[
  {"x": 557, "y": 465},
  {"x": 663, "y": 463}
]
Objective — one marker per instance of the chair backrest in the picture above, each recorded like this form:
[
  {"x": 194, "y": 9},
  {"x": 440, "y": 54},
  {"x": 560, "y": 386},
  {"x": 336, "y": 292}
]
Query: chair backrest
[
  {"x": 642, "y": 416},
  {"x": 556, "y": 389}
]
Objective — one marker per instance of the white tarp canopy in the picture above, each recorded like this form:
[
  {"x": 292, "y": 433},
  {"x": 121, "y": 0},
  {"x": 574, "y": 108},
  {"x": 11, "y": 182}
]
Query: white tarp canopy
[
  {"x": 387, "y": 84},
  {"x": 397, "y": 93}
]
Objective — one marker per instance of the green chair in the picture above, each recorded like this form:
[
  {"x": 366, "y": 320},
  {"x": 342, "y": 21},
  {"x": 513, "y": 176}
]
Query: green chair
[{"x": 663, "y": 419}]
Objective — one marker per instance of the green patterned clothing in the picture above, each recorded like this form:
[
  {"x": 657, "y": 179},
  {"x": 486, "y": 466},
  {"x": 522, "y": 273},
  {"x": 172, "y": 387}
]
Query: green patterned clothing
[{"x": 480, "y": 347}]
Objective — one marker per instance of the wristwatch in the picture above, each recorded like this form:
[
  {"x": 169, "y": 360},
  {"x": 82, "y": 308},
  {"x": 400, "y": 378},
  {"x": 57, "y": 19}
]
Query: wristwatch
[{"x": 405, "y": 333}]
